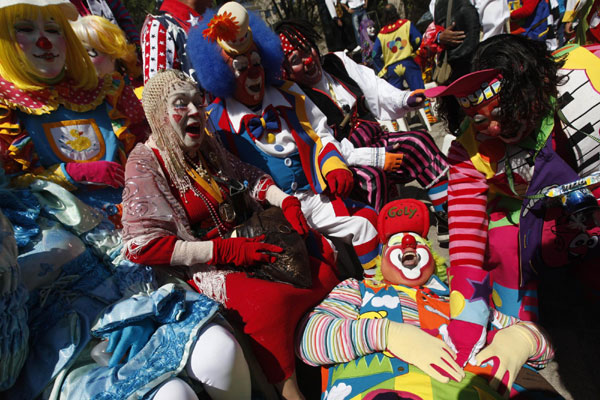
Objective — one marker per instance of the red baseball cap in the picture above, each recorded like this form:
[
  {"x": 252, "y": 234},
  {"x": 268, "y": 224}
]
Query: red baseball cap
[{"x": 404, "y": 215}]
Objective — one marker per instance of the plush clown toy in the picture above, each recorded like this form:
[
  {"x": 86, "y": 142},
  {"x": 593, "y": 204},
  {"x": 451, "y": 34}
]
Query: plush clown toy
[{"x": 383, "y": 337}]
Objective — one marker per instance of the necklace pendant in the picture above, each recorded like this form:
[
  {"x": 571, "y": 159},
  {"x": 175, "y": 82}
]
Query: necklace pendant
[{"x": 227, "y": 212}]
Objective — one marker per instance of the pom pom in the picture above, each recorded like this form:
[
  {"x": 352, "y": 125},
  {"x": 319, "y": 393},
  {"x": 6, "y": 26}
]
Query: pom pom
[{"x": 223, "y": 27}]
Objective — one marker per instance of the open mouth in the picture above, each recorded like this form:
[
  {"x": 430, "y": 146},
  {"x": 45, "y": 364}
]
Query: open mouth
[
  {"x": 254, "y": 85},
  {"x": 194, "y": 130},
  {"x": 46, "y": 56},
  {"x": 410, "y": 259}
]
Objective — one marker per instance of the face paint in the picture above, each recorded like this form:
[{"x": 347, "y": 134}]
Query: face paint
[
  {"x": 103, "y": 62},
  {"x": 407, "y": 260},
  {"x": 249, "y": 77},
  {"x": 43, "y": 44},
  {"x": 186, "y": 114},
  {"x": 304, "y": 67},
  {"x": 371, "y": 31}
]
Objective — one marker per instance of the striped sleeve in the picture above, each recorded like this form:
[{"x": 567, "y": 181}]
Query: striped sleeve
[
  {"x": 467, "y": 216},
  {"x": 158, "y": 48},
  {"x": 125, "y": 21},
  {"x": 544, "y": 350},
  {"x": 333, "y": 333}
]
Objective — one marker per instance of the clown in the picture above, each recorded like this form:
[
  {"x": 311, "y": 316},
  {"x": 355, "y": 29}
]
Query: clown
[
  {"x": 514, "y": 146},
  {"x": 367, "y": 34},
  {"x": 107, "y": 46},
  {"x": 60, "y": 122},
  {"x": 394, "y": 52},
  {"x": 272, "y": 125},
  {"x": 353, "y": 98},
  {"x": 384, "y": 335}
]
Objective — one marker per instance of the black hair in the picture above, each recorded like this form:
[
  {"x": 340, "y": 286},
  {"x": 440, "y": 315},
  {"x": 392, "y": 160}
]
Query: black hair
[
  {"x": 530, "y": 80},
  {"x": 389, "y": 15}
]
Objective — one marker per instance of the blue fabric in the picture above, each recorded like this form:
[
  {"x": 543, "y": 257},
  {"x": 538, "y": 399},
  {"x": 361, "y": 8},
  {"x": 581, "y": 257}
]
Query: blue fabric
[
  {"x": 130, "y": 338},
  {"x": 149, "y": 367},
  {"x": 72, "y": 288},
  {"x": 14, "y": 333},
  {"x": 104, "y": 143},
  {"x": 412, "y": 77},
  {"x": 254, "y": 123}
]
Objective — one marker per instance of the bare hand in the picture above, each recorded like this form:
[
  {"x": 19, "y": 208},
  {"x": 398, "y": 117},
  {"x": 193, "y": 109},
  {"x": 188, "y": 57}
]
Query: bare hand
[
  {"x": 339, "y": 22},
  {"x": 569, "y": 28},
  {"x": 450, "y": 37}
]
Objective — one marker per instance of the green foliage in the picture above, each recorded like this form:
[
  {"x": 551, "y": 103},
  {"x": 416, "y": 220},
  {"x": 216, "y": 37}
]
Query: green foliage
[{"x": 139, "y": 9}]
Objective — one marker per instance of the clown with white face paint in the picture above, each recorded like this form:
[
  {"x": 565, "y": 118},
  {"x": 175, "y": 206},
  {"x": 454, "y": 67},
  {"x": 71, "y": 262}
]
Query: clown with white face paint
[
  {"x": 397, "y": 322},
  {"x": 44, "y": 45},
  {"x": 273, "y": 125}
]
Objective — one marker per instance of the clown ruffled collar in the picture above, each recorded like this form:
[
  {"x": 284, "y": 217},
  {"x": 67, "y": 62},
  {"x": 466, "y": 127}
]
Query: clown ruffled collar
[{"x": 49, "y": 99}]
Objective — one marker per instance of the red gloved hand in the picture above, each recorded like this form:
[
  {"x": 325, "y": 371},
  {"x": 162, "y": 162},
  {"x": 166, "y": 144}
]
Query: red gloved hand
[
  {"x": 340, "y": 182},
  {"x": 293, "y": 213},
  {"x": 243, "y": 251},
  {"x": 102, "y": 172},
  {"x": 467, "y": 338}
]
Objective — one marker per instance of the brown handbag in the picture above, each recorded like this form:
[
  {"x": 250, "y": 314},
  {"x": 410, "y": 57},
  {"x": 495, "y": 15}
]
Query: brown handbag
[{"x": 293, "y": 264}]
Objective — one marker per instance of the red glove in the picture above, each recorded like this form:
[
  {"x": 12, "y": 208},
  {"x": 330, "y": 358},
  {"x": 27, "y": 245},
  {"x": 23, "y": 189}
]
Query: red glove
[
  {"x": 102, "y": 172},
  {"x": 293, "y": 213},
  {"x": 243, "y": 251},
  {"x": 340, "y": 182},
  {"x": 468, "y": 338}
]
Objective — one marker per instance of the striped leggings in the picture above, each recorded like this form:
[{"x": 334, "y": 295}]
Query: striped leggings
[{"x": 423, "y": 161}]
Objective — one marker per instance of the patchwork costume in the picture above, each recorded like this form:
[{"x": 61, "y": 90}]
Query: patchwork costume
[
  {"x": 503, "y": 238},
  {"x": 349, "y": 331},
  {"x": 298, "y": 150}
]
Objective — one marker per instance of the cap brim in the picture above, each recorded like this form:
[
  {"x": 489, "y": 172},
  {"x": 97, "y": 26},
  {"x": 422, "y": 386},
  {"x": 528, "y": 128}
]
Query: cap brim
[{"x": 465, "y": 85}]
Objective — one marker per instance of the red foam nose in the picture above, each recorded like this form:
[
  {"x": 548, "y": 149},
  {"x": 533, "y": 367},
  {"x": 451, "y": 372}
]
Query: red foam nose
[
  {"x": 408, "y": 241},
  {"x": 43, "y": 43},
  {"x": 308, "y": 61}
]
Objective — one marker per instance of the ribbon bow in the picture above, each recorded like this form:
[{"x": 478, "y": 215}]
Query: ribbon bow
[{"x": 257, "y": 125}]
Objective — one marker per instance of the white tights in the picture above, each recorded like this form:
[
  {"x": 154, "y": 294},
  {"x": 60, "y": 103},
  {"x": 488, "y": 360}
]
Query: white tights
[{"x": 218, "y": 362}]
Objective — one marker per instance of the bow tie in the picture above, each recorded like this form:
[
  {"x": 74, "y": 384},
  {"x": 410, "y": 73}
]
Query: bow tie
[{"x": 257, "y": 125}]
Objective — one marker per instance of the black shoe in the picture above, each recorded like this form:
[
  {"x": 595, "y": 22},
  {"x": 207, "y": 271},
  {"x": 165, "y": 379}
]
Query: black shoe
[{"x": 443, "y": 234}]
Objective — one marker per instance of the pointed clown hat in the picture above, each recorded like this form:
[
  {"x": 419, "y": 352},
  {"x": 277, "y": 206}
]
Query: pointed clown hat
[
  {"x": 404, "y": 215},
  {"x": 471, "y": 89},
  {"x": 66, "y": 6},
  {"x": 229, "y": 27}
]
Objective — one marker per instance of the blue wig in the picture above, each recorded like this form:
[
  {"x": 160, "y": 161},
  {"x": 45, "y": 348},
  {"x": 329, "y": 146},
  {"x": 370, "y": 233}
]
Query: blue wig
[{"x": 211, "y": 69}]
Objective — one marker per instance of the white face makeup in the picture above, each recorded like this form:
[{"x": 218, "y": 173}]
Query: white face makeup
[
  {"x": 186, "y": 114},
  {"x": 407, "y": 262},
  {"x": 103, "y": 62},
  {"x": 249, "y": 77},
  {"x": 44, "y": 45},
  {"x": 371, "y": 31}
]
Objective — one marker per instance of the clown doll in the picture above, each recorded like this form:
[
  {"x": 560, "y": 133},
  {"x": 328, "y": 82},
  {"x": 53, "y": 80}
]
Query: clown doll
[
  {"x": 60, "y": 122},
  {"x": 516, "y": 144},
  {"x": 272, "y": 125},
  {"x": 381, "y": 338},
  {"x": 107, "y": 46}
]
